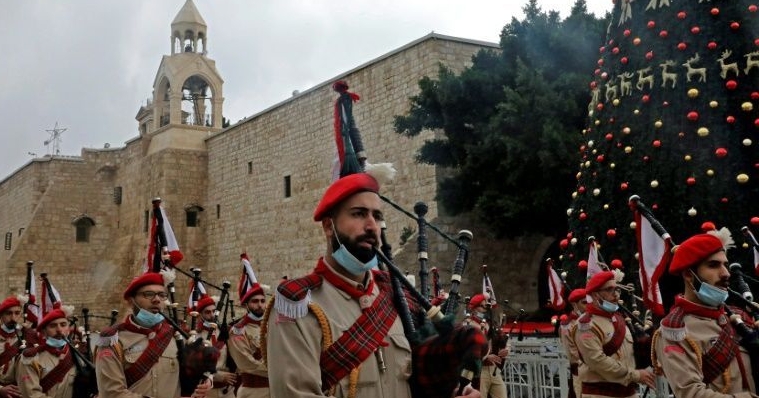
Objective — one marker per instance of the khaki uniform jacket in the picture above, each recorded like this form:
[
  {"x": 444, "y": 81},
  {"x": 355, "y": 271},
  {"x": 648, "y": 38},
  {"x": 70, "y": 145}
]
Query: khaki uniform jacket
[
  {"x": 221, "y": 365},
  {"x": 162, "y": 381},
  {"x": 8, "y": 373},
  {"x": 680, "y": 362},
  {"x": 598, "y": 367},
  {"x": 31, "y": 370},
  {"x": 567, "y": 335},
  {"x": 294, "y": 347},
  {"x": 245, "y": 349}
]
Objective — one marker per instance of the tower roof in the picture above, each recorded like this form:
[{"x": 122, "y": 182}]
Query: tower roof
[{"x": 188, "y": 14}]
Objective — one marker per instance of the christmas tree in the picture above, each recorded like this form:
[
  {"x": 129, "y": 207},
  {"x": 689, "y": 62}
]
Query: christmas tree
[{"x": 674, "y": 119}]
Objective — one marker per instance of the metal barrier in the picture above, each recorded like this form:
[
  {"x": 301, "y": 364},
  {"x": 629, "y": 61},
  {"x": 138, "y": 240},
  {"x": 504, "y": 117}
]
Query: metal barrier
[{"x": 539, "y": 368}]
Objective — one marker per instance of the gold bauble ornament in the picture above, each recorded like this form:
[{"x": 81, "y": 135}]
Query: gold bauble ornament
[
  {"x": 606, "y": 206},
  {"x": 633, "y": 225},
  {"x": 745, "y": 245},
  {"x": 687, "y": 158},
  {"x": 596, "y": 192},
  {"x": 574, "y": 195},
  {"x": 597, "y": 122},
  {"x": 747, "y": 142},
  {"x": 569, "y": 212},
  {"x": 692, "y": 212},
  {"x": 626, "y": 130},
  {"x": 615, "y": 102},
  {"x": 658, "y": 124},
  {"x": 742, "y": 178},
  {"x": 591, "y": 143},
  {"x": 628, "y": 149},
  {"x": 636, "y": 112},
  {"x": 713, "y": 104},
  {"x": 654, "y": 184},
  {"x": 710, "y": 173},
  {"x": 702, "y": 131},
  {"x": 587, "y": 163},
  {"x": 573, "y": 241},
  {"x": 693, "y": 93},
  {"x": 612, "y": 165},
  {"x": 747, "y": 106}
]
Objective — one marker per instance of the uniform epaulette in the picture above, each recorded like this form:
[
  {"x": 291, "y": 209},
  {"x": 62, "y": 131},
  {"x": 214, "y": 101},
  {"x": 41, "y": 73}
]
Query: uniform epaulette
[
  {"x": 673, "y": 325},
  {"x": 109, "y": 337},
  {"x": 583, "y": 323},
  {"x": 30, "y": 354},
  {"x": 292, "y": 296}
]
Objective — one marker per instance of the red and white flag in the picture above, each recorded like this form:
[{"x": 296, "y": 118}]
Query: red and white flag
[
  {"x": 594, "y": 266},
  {"x": 191, "y": 304},
  {"x": 756, "y": 261},
  {"x": 654, "y": 255},
  {"x": 555, "y": 289},
  {"x": 172, "y": 247},
  {"x": 50, "y": 297},
  {"x": 32, "y": 309},
  {"x": 247, "y": 278}
]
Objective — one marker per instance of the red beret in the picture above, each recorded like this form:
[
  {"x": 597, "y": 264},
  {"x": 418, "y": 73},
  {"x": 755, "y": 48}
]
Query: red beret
[
  {"x": 204, "y": 302},
  {"x": 476, "y": 300},
  {"x": 342, "y": 189},
  {"x": 577, "y": 295},
  {"x": 8, "y": 303},
  {"x": 598, "y": 280},
  {"x": 693, "y": 251},
  {"x": 254, "y": 290},
  {"x": 51, "y": 316},
  {"x": 148, "y": 278}
]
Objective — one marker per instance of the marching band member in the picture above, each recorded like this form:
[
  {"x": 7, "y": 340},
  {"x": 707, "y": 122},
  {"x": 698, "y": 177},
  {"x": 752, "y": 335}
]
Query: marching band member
[
  {"x": 568, "y": 329},
  {"x": 223, "y": 380},
  {"x": 245, "y": 346},
  {"x": 605, "y": 344},
  {"x": 10, "y": 346},
  {"x": 138, "y": 357},
  {"x": 48, "y": 369},
  {"x": 695, "y": 345},
  {"x": 345, "y": 302},
  {"x": 491, "y": 376}
]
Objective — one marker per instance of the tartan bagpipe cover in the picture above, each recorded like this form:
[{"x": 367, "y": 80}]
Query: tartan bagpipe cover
[{"x": 437, "y": 361}]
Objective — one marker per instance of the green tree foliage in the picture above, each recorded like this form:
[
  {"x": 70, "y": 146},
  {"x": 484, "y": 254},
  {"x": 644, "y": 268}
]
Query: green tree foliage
[{"x": 510, "y": 122}]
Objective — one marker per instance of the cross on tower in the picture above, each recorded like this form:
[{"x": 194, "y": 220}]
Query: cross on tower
[{"x": 55, "y": 139}]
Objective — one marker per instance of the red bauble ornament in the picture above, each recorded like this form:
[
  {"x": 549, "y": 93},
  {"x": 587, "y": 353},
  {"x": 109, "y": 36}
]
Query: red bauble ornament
[
  {"x": 756, "y": 122},
  {"x": 756, "y": 42},
  {"x": 691, "y": 181},
  {"x": 708, "y": 226},
  {"x": 609, "y": 136},
  {"x": 626, "y": 33},
  {"x": 615, "y": 50},
  {"x": 600, "y": 62},
  {"x": 623, "y": 186},
  {"x": 601, "y": 50},
  {"x": 583, "y": 264},
  {"x": 755, "y": 95},
  {"x": 645, "y": 98},
  {"x": 752, "y": 8},
  {"x": 720, "y": 152},
  {"x": 570, "y": 235},
  {"x": 650, "y": 55},
  {"x": 600, "y": 158},
  {"x": 616, "y": 263},
  {"x": 714, "y": 11},
  {"x": 611, "y": 233},
  {"x": 623, "y": 60},
  {"x": 711, "y": 45},
  {"x": 724, "y": 201},
  {"x": 735, "y": 26},
  {"x": 663, "y": 34},
  {"x": 600, "y": 106},
  {"x": 597, "y": 72},
  {"x": 656, "y": 144},
  {"x": 581, "y": 189},
  {"x": 695, "y": 30},
  {"x": 583, "y": 216},
  {"x": 682, "y": 46},
  {"x": 655, "y": 206},
  {"x": 651, "y": 24},
  {"x": 754, "y": 221},
  {"x": 593, "y": 85},
  {"x": 681, "y": 15},
  {"x": 692, "y": 116},
  {"x": 731, "y": 84},
  {"x": 730, "y": 119},
  {"x": 564, "y": 244}
]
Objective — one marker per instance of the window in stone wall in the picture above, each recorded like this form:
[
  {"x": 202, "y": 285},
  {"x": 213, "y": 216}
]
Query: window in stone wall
[
  {"x": 250, "y": 167},
  {"x": 218, "y": 211},
  {"x": 192, "y": 214},
  {"x": 83, "y": 225},
  {"x": 287, "y": 187},
  {"x": 20, "y": 231},
  {"x": 8, "y": 239}
]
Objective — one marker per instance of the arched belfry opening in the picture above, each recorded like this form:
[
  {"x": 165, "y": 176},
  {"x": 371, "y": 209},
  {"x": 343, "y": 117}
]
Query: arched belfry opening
[
  {"x": 196, "y": 102},
  {"x": 188, "y": 31}
]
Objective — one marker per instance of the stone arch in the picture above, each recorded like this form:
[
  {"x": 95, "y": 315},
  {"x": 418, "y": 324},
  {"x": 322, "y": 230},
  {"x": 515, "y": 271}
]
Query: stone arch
[{"x": 83, "y": 225}]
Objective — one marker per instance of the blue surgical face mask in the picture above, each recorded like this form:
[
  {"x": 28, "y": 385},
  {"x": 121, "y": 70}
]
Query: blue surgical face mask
[
  {"x": 254, "y": 317},
  {"x": 147, "y": 318},
  {"x": 608, "y": 307},
  {"x": 351, "y": 264},
  {"x": 208, "y": 325},
  {"x": 710, "y": 295},
  {"x": 53, "y": 342}
]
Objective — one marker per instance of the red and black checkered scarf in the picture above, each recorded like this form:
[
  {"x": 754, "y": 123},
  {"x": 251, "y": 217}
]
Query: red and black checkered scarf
[
  {"x": 725, "y": 348},
  {"x": 60, "y": 370},
  {"x": 163, "y": 335},
  {"x": 366, "y": 334},
  {"x": 620, "y": 327}
]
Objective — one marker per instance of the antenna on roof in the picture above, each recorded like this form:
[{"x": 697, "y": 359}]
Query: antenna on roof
[{"x": 55, "y": 139}]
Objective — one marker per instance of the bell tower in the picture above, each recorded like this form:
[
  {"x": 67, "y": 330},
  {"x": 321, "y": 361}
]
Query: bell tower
[{"x": 187, "y": 90}]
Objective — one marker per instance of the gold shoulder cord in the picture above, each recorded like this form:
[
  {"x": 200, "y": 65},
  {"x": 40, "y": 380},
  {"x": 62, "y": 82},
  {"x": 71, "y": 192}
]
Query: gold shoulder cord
[
  {"x": 321, "y": 317},
  {"x": 694, "y": 346}
]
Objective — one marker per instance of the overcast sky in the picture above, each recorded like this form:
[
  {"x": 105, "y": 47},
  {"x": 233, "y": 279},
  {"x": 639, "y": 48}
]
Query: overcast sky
[{"x": 89, "y": 64}]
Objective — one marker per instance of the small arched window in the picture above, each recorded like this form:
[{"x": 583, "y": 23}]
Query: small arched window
[
  {"x": 192, "y": 213},
  {"x": 83, "y": 225}
]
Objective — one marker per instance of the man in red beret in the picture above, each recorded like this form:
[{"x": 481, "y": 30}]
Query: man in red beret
[
  {"x": 567, "y": 332},
  {"x": 605, "y": 344},
  {"x": 345, "y": 301},
  {"x": 490, "y": 381},
  {"x": 10, "y": 345},
  {"x": 48, "y": 369},
  {"x": 696, "y": 345},
  {"x": 138, "y": 357},
  {"x": 223, "y": 379},
  {"x": 245, "y": 346}
]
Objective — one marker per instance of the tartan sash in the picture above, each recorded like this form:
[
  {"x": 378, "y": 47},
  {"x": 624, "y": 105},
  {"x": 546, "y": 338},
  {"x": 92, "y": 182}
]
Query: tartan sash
[
  {"x": 10, "y": 352},
  {"x": 718, "y": 358},
  {"x": 57, "y": 373},
  {"x": 360, "y": 340},
  {"x": 150, "y": 356}
]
